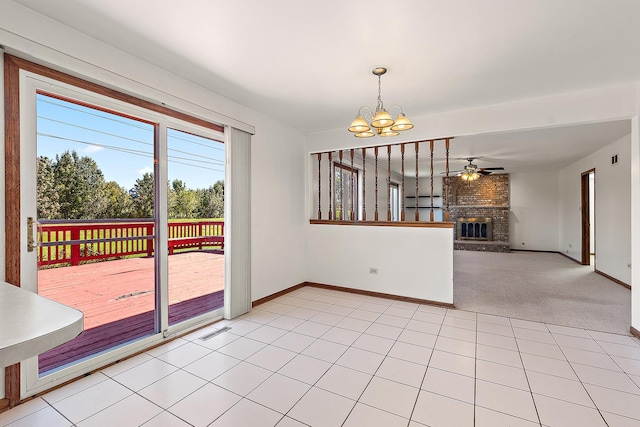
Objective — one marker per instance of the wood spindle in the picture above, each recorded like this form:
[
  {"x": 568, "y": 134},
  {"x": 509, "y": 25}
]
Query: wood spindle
[
  {"x": 351, "y": 214},
  {"x": 431, "y": 195},
  {"x": 364, "y": 182},
  {"x": 375, "y": 153},
  {"x": 388, "y": 182},
  {"x": 341, "y": 189},
  {"x": 330, "y": 186},
  {"x": 319, "y": 185},
  {"x": 446, "y": 212},
  {"x": 402, "y": 191},
  {"x": 417, "y": 214}
]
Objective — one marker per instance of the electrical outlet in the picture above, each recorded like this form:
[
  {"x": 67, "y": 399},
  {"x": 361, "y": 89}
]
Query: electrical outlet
[{"x": 373, "y": 270}]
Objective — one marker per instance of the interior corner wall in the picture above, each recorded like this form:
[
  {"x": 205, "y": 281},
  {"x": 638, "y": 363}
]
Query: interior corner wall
[
  {"x": 534, "y": 215},
  {"x": 635, "y": 226},
  {"x": 277, "y": 151},
  {"x": 612, "y": 209}
]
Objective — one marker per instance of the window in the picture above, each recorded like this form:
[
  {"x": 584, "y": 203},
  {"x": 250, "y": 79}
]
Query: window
[
  {"x": 394, "y": 199},
  {"x": 345, "y": 194}
]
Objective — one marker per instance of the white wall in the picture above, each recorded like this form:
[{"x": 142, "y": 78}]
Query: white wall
[
  {"x": 278, "y": 155},
  {"x": 612, "y": 209},
  {"x": 635, "y": 226},
  {"x": 534, "y": 216},
  {"x": 411, "y": 261}
]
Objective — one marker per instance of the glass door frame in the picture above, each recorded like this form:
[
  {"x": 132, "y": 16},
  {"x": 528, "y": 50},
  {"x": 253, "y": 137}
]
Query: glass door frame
[{"x": 31, "y": 383}]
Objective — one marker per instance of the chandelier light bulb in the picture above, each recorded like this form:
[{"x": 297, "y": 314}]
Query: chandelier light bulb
[{"x": 379, "y": 118}]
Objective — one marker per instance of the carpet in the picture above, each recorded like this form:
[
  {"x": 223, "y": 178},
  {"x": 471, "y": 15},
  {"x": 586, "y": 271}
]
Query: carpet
[{"x": 543, "y": 287}]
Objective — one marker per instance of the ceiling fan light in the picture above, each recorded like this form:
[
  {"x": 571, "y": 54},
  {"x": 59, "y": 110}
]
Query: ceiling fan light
[
  {"x": 388, "y": 131},
  {"x": 365, "y": 134},
  {"x": 382, "y": 119},
  {"x": 402, "y": 123},
  {"x": 359, "y": 125}
]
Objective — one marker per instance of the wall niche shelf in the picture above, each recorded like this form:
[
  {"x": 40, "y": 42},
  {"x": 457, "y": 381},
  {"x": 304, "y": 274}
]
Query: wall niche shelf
[{"x": 411, "y": 202}]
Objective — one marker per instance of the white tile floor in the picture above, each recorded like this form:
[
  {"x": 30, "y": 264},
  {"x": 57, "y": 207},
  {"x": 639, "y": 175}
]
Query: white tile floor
[{"x": 326, "y": 358}]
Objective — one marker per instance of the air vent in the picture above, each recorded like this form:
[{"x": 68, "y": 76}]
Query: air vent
[
  {"x": 214, "y": 333},
  {"x": 614, "y": 160}
]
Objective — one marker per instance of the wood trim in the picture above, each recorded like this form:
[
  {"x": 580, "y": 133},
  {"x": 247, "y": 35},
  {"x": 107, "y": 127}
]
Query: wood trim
[
  {"x": 416, "y": 224},
  {"x": 613, "y": 279},
  {"x": 397, "y": 143},
  {"x": 585, "y": 225},
  {"x": 278, "y": 294},
  {"x": 634, "y": 332},
  {"x": 351, "y": 291},
  {"x": 379, "y": 295},
  {"x": 111, "y": 93},
  {"x": 12, "y": 202},
  {"x": 568, "y": 257}
]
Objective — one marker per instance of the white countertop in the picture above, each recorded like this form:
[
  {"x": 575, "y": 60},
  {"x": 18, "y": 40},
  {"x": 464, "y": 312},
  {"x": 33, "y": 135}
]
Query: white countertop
[{"x": 31, "y": 324}]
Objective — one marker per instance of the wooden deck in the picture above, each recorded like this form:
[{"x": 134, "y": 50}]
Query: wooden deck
[{"x": 118, "y": 299}]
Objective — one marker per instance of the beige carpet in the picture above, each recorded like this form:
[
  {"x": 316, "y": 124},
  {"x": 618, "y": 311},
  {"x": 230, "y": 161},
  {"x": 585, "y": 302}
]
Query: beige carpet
[{"x": 543, "y": 287}]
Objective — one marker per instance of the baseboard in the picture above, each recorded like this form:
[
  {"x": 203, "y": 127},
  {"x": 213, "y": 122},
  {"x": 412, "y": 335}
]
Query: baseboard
[
  {"x": 613, "y": 279},
  {"x": 568, "y": 257},
  {"x": 634, "y": 332},
  {"x": 278, "y": 294},
  {"x": 351, "y": 291},
  {"x": 534, "y": 250}
]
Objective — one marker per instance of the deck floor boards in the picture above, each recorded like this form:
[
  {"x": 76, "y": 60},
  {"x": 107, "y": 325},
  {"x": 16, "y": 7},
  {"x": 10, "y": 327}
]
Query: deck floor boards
[{"x": 118, "y": 299}]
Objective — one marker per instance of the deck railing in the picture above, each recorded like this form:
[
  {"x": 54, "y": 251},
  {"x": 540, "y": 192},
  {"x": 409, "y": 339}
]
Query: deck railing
[{"x": 75, "y": 241}]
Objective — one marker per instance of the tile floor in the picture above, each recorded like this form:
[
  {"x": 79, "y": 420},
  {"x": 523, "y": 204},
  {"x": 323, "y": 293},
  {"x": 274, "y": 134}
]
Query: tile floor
[{"x": 325, "y": 358}]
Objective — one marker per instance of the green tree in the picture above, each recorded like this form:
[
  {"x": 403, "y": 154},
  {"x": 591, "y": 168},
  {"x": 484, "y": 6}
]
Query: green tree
[
  {"x": 119, "y": 203},
  {"x": 79, "y": 185},
  {"x": 47, "y": 196},
  {"x": 184, "y": 200},
  {"x": 143, "y": 196},
  {"x": 211, "y": 201}
]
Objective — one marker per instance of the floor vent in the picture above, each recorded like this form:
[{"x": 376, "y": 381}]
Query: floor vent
[{"x": 214, "y": 333}]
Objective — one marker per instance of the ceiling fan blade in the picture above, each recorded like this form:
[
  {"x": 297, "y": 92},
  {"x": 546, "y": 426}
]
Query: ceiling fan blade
[
  {"x": 492, "y": 169},
  {"x": 452, "y": 172},
  {"x": 483, "y": 172}
]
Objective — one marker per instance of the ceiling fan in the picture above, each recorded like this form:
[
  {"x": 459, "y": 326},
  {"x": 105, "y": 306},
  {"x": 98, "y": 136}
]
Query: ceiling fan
[{"x": 472, "y": 172}]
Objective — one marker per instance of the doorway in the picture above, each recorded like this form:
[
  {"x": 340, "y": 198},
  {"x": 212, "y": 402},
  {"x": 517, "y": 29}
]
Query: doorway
[
  {"x": 108, "y": 235},
  {"x": 588, "y": 197}
]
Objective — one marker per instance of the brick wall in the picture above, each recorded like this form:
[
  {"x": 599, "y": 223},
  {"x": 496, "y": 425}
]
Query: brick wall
[{"x": 487, "y": 197}]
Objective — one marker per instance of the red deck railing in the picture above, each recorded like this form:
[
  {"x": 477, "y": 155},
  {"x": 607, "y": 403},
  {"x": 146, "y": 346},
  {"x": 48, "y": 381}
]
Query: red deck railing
[{"x": 75, "y": 241}]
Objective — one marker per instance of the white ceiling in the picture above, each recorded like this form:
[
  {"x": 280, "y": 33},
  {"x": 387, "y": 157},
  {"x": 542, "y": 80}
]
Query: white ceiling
[{"x": 308, "y": 64}]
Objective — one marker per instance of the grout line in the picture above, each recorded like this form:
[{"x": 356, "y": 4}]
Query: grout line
[{"x": 535, "y": 405}]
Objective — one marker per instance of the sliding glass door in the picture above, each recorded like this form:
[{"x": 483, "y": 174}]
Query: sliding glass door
[{"x": 125, "y": 210}]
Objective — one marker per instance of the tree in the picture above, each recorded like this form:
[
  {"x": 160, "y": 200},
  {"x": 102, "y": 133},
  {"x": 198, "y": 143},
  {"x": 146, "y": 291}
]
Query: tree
[
  {"x": 119, "y": 203},
  {"x": 47, "y": 196},
  {"x": 143, "y": 196},
  {"x": 184, "y": 200},
  {"x": 211, "y": 201},
  {"x": 79, "y": 185}
]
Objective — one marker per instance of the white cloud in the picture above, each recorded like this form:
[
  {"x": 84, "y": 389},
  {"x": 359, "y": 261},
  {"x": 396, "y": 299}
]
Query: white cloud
[
  {"x": 93, "y": 149},
  {"x": 144, "y": 170}
]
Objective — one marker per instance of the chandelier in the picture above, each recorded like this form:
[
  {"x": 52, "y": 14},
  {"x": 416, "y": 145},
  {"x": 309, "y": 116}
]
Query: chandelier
[{"x": 380, "y": 121}]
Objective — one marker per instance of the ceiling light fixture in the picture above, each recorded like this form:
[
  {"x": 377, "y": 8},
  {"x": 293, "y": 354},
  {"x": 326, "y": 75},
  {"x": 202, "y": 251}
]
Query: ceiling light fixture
[
  {"x": 470, "y": 172},
  {"x": 380, "y": 121}
]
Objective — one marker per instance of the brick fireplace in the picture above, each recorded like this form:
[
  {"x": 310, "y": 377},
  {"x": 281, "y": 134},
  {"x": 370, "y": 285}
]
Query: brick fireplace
[{"x": 481, "y": 212}]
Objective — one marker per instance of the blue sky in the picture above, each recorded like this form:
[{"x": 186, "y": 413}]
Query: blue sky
[{"x": 123, "y": 147}]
